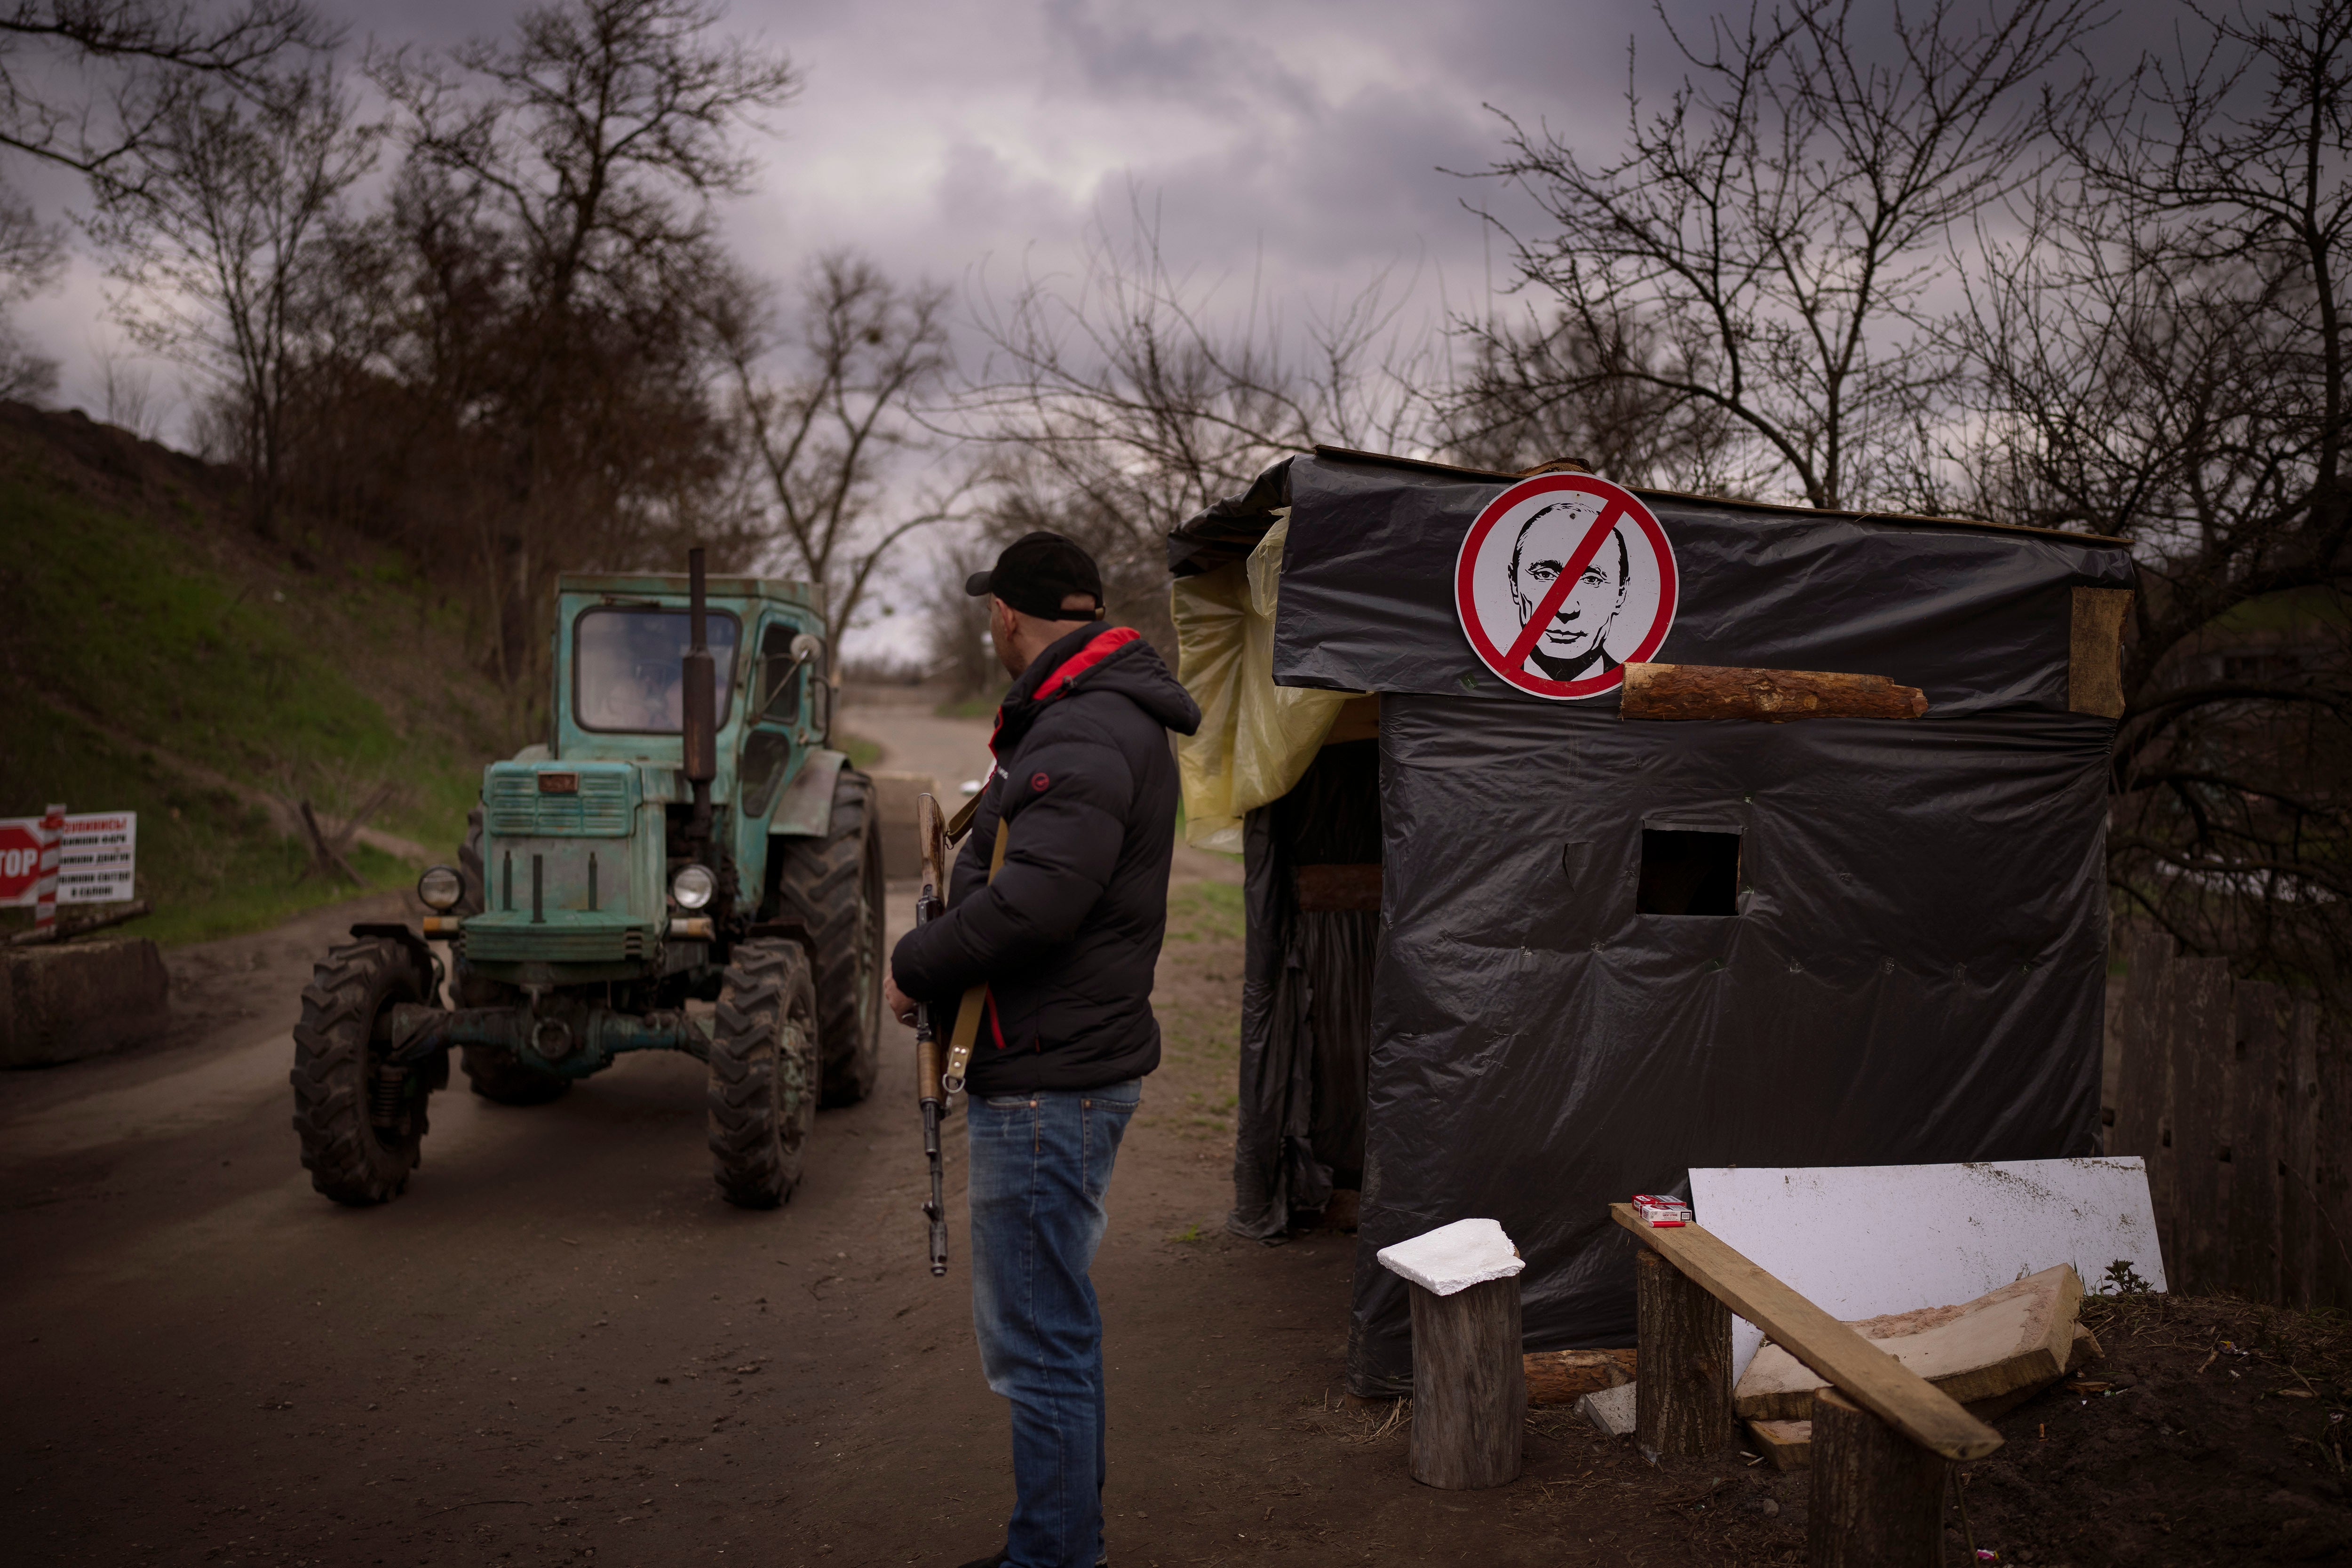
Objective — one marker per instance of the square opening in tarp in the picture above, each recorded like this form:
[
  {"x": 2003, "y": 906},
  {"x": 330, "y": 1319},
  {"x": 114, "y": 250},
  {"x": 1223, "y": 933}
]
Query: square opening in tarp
[{"x": 1688, "y": 871}]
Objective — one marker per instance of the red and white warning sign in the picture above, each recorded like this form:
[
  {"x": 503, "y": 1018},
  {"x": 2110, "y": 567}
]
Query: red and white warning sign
[
  {"x": 95, "y": 861},
  {"x": 1562, "y": 580}
]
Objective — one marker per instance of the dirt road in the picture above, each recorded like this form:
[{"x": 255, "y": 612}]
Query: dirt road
[{"x": 560, "y": 1344}]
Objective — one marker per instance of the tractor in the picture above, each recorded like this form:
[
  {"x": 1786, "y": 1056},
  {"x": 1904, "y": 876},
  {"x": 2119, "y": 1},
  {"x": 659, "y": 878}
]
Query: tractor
[{"x": 686, "y": 836}]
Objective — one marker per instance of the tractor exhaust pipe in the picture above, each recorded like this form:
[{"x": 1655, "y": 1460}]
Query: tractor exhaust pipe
[{"x": 699, "y": 688}]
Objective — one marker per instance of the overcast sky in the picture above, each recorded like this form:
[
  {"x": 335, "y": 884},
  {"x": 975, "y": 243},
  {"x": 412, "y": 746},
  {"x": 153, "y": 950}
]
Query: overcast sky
[{"x": 1297, "y": 148}]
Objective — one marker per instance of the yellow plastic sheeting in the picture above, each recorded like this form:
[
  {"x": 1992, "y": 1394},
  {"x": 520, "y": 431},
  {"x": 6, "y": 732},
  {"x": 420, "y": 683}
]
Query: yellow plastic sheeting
[{"x": 1256, "y": 738}]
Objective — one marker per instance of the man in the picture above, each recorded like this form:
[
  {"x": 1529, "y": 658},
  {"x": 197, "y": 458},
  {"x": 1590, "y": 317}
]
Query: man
[
  {"x": 1063, "y": 939},
  {"x": 1576, "y": 643}
]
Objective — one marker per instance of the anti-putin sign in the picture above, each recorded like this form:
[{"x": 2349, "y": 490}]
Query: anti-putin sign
[{"x": 95, "y": 863}]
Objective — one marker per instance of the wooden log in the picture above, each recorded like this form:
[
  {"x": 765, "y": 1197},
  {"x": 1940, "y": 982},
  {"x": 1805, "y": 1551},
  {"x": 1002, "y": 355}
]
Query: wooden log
[
  {"x": 1772, "y": 696},
  {"x": 1469, "y": 1392},
  {"x": 1682, "y": 1400},
  {"x": 2255, "y": 1121},
  {"x": 2094, "y": 652},
  {"x": 2204, "y": 1046},
  {"x": 1859, "y": 1369},
  {"x": 1876, "y": 1500},
  {"x": 1563, "y": 1377},
  {"x": 1339, "y": 888},
  {"x": 2299, "y": 1137}
]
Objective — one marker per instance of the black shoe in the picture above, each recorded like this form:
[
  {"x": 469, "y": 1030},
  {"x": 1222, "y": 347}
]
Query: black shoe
[{"x": 997, "y": 1559}]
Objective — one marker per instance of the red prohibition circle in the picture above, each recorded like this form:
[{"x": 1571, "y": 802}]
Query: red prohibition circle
[{"x": 1617, "y": 505}]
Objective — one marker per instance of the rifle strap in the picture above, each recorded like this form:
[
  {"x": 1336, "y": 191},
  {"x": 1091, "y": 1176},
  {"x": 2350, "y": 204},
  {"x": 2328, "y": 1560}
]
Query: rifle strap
[
  {"x": 975, "y": 999},
  {"x": 961, "y": 821}
]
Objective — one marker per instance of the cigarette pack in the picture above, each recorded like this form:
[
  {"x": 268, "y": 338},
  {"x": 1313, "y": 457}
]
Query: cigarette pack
[{"x": 1661, "y": 1212}]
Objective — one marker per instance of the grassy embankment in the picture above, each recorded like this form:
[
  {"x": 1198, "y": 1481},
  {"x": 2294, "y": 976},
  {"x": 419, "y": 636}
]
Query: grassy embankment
[{"x": 157, "y": 657}]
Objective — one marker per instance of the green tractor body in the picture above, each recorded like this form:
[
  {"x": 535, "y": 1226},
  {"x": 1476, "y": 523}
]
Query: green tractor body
[{"x": 684, "y": 837}]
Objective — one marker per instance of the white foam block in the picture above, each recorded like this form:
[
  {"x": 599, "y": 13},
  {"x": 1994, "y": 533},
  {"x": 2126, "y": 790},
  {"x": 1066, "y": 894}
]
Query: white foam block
[
  {"x": 1862, "y": 1241},
  {"x": 1454, "y": 1256}
]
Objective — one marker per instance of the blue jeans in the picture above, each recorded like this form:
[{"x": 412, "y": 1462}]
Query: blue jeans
[{"x": 1040, "y": 1165}]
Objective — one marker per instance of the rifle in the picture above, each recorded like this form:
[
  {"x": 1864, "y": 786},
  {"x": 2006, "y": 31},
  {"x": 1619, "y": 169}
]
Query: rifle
[{"x": 928, "y": 1058}]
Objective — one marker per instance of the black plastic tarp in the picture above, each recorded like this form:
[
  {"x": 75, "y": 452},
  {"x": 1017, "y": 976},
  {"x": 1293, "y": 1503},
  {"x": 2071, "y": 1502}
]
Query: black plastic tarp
[{"x": 1912, "y": 967}]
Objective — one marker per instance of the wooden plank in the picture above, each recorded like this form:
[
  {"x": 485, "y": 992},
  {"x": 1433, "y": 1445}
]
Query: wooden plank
[
  {"x": 2006, "y": 1344},
  {"x": 2140, "y": 1082},
  {"x": 2095, "y": 650},
  {"x": 1682, "y": 1402},
  {"x": 2298, "y": 1138},
  {"x": 1676, "y": 692},
  {"x": 1563, "y": 1377},
  {"x": 2332, "y": 1171},
  {"x": 1469, "y": 1400},
  {"x": 2204, "y": 1046},
  {"x": 1875, "y": 1501},
  {"x": 1873, "y": 1379},
  {"x": 1783, "y": 1445},
  {"x": 2254, "y": 1151}
]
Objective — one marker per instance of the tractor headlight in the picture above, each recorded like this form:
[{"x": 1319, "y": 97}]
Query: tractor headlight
[
  {"x": 692, "y": 887},
  {"x": 440, "y": 888}
]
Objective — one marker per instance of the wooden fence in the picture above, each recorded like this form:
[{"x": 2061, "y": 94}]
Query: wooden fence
[{"x": 2242, "y": 1104}]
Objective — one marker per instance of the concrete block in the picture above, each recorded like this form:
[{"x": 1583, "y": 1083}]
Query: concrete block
[
  {"x": 63, "y": 1002},
  {"x": 894, "y": 800},
  {"x": 1612, "y": 1409}
]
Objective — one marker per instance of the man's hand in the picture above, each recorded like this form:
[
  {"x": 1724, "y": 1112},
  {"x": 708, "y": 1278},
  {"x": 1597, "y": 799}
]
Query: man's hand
[{"x": 901, "y": 1005}]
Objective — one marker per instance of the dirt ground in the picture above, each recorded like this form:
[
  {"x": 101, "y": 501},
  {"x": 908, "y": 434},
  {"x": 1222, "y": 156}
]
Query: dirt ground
[{"x": 560, "y": 1345}]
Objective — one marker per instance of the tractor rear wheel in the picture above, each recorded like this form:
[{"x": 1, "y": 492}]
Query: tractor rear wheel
[
  {"x": 832, "y": 887},
  {"x": 763, "y": 1073},
  {"x": 360, "y": 1121}
]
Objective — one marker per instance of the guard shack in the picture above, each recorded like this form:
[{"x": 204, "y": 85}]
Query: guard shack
[{"x": 1521, "y": 943}]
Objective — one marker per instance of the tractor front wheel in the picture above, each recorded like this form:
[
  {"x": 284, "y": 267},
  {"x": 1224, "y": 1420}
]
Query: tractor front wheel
[
  {"x": 763, "y": 1073},
  {"x": 832, "y": 887},
  {"x": 361, "y": 1121}
]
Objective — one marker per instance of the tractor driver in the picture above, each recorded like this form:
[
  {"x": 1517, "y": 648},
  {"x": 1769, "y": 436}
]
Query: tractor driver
[
  {"x": 1575, "y": 644},
  {"x": 630, "y": 672}
]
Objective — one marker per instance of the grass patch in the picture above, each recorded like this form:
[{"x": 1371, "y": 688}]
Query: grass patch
[
  {"x": 967, "y": 708},
  {"x": 861, "y": 751},
  {"x": 211, "y": 864},
  {"x": 185, "y": 638},
  {"x": 1207, "y": 912}
]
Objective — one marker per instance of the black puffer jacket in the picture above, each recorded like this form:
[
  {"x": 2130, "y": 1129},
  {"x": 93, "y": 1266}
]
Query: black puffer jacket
[{"x": 1066, "y": 937}]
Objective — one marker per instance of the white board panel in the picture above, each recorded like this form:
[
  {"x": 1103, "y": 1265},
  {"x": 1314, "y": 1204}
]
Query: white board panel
[{"x": 1864, "y": 1240}]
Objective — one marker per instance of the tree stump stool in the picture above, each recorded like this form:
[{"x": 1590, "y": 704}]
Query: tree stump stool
[
  {"x": 1469, "y": 1383},
  {"x": 1878, "y": 1498},
  {"x": 1469, "y": 1388},
  {"x": 1682, "y": 1396}
]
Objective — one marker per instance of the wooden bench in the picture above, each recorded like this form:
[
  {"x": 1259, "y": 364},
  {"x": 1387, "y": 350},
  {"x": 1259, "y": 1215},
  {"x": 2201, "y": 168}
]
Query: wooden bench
[{"x": 1882, "y": 1435}]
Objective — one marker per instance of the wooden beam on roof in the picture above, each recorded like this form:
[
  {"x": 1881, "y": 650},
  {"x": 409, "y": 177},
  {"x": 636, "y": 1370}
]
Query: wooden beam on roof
[
  {"x": 1856, "y": 1367},
  {"x": 1771, "y": 696}
]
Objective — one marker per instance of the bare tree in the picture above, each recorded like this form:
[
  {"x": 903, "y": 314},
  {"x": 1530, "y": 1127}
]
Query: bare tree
[
  {"x": 827, "y": 401},
  {"x": 89, "y": 84},
  {"x": 1124, "y": 400},
  {"x": 213, "y": 226},
  {"x": 592, "y": 145},
  {"x": 1780, "y": 222},
  {"x": 1530, "y": 393},
  {"x": 2164, "y": 357},
  {"x": 31, "y": 252}
]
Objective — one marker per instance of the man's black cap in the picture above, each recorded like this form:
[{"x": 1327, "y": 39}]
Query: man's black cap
[{"x": 1036, "y": 572}]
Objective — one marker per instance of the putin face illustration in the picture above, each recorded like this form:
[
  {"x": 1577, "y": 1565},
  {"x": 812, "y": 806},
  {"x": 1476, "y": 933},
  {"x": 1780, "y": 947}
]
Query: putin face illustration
[{"x": 1575, "y": 644}]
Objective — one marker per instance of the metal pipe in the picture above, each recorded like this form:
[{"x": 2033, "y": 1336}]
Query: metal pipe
[{"x": 538, "y": 890}]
